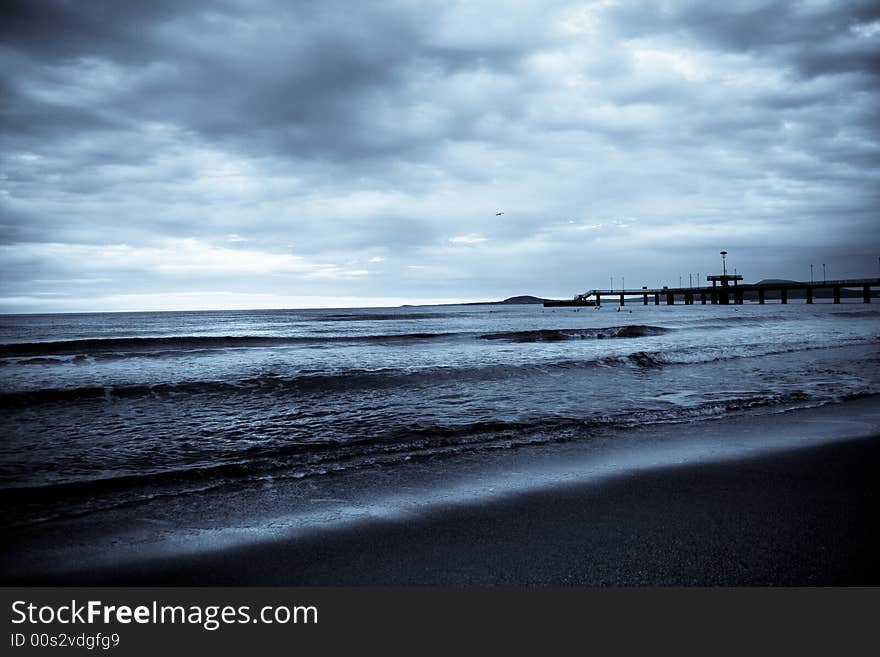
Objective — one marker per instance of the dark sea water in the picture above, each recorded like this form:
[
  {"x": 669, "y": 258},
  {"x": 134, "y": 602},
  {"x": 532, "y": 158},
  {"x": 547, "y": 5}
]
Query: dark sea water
[{"x": 112, "y": 410}]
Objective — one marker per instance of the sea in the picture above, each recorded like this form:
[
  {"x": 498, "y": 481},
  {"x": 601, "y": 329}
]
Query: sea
[{"x": 165, "y": 426}]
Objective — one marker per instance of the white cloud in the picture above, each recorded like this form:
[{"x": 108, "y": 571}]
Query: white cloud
[
  {"x": 867, "y": 30},
  {"x": 470, "y": 238}
]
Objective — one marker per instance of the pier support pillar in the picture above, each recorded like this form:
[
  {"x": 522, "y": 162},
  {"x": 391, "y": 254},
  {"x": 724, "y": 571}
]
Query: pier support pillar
[
  {"x": 621, "y": 298},
  {"x": 809, "y": 295},
  {"x": 783, "y": 295},
  {"x": 656, "y": 298},
  {"x": 866, "y": 294},
  {"x": 598, "y": 299},
  {"x": 761, "y": 297},
  {"x": 670, "y": 299},
  {"x": 703, "y": 298},
  {"x": 836, "y": 294},
  {"x": 645, "y": 299}
]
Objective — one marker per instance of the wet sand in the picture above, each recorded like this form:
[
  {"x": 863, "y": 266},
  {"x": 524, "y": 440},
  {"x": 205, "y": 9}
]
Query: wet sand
[{"x": 807, "y": 516}]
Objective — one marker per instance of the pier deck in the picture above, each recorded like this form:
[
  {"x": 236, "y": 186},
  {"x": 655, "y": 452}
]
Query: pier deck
[{"x": 726, "y": 294}]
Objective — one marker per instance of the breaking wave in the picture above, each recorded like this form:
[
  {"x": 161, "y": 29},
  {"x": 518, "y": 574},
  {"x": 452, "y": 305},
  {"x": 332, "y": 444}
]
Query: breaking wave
[
  {"x": 121, "y": 346},
  {"x": 297, "y": 460},
  {"x": 310, "y": 382},
  {"x": 554, "y": 335}
]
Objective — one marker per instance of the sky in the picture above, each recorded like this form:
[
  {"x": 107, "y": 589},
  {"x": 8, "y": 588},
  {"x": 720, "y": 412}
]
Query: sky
[{"x": 266, "y": 154}]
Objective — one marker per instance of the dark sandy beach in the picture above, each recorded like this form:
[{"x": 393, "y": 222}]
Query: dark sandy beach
[{"x": 801, "y": 517}]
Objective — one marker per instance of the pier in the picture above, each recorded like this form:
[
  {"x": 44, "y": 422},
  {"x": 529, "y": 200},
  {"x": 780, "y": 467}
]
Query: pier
[{"x": 727, "y": 289}]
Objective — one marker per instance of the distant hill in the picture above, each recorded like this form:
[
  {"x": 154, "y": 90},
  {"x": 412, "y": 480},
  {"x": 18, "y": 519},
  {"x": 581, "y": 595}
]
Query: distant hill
[
  {"x": 525, "y": 298},
  {"x": 776, "y": 281},
  {"x": 510, "y": 301}
]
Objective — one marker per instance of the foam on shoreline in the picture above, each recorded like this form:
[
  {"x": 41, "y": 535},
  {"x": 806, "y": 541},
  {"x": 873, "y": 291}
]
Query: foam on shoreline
[{"x": 289, "y": 513}]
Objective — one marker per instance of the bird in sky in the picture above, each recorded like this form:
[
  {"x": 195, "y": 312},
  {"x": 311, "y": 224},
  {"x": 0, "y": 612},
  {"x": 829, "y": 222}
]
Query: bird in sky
[{"x": 498, "y": 214}]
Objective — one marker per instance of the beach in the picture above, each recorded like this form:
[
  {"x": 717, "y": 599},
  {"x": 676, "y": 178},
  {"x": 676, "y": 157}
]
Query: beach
[
  {"x": 461, "y": 446},
  {"x": 798, "y": 516}
]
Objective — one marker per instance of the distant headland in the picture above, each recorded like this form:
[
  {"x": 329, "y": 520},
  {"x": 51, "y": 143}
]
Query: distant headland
[{"x": 510, "y": 301}]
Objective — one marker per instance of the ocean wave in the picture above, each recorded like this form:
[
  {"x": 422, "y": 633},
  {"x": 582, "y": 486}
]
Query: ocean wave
[
  {"x": 39, "y": 352},
  {"x": 314, "y": 383},
  {"x": 186, "y": 343},
  {"x": 309, "y": 382},
  {"x": 381, "y": 317},
  {"x": 274, "y": 384},
  {"x": 738, "y": 320},
  {"x": 306, "y": 459},
  {"x": 554, "y": 335},
  {"x": 857, "y": 313},
  {"x": 43, "y": 360}
]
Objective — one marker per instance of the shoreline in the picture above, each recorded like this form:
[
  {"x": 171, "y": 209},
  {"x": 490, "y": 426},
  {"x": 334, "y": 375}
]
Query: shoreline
[{"x": 801, "y": 515}]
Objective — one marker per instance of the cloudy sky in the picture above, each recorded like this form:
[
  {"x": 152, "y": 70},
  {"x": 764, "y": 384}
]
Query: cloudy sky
[{"x": 263, "y": 153}]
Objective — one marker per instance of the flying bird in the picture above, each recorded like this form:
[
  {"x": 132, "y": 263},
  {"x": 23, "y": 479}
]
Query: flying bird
[{"x": 498, "y": 214}]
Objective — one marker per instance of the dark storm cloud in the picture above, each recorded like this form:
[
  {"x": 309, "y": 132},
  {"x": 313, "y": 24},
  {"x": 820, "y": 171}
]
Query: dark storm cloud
[
  {"x": 60, "y": 30},
  {"x": 298, "y": 79},
  {"x": 363, "y": 149},
  {"x": 813, "y": 37}
]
